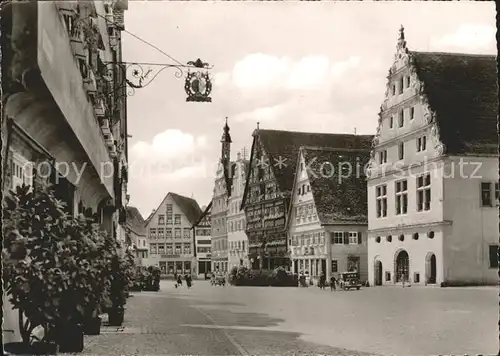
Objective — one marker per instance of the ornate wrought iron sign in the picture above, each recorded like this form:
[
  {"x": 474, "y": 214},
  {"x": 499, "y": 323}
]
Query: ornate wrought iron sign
[{"x": 198, "y": 85}]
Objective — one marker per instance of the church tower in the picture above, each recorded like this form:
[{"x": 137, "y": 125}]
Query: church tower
[{"x": 226, "y": 145}]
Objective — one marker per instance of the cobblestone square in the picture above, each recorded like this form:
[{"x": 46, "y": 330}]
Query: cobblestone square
[{"x": 208, "y": 320}]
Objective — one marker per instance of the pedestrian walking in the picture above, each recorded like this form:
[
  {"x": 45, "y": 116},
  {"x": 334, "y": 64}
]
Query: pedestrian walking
[
  {"x": 188, "y": 280},
  {"x": 322, "y": 280},
  {"x": 333, "y": 283}
]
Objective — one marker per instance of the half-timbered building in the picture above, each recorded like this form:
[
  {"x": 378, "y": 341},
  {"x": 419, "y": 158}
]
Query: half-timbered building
[
  {"x": 269, "y": 187},
  {"x": 328, "y": 213},
  {"x": 202, "y": 233}
]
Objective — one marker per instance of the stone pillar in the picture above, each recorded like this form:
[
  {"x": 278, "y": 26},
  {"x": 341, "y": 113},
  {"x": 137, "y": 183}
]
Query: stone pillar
[{"x": 328, "y": 267}]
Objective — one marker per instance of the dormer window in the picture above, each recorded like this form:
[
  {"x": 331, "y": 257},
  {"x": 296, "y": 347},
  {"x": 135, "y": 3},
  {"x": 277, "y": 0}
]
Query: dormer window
[
  {"x": 412, "y": 113},
  {"x": 408, "y": 81},
  {"x": 394, "y": 89},
  {"x": 391, "y": 122},
  {"x": 401, "y": 85},
  {"x": 401, "y": 118}
]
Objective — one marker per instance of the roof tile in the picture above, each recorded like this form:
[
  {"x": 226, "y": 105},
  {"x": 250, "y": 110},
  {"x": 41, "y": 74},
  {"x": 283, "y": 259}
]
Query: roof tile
[
  {"x": 286, "y": 144},
  {"x": 462, "y": 90},
  {"x": 338, "y": 183}
]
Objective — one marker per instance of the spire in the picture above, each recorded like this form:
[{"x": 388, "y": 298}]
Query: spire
[
  {"x": 401, "y": 39},
  {"x": 226, "y": 137},
  {"x": 256, "y": 131}
]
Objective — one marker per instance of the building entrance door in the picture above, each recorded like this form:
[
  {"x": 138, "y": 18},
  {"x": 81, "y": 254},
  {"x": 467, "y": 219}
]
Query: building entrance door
[
  {"x": 378, "y": 273},
  {"x": 431, "y": 265},
  {"x": 323, "y": 266},
  {"x": 402, "y": 266}
]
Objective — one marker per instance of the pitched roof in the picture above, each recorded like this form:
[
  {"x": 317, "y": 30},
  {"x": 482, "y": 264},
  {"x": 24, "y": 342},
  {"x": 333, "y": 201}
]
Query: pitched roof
[
  {"x": 189, "y": 207},
  {"x": 338, "y": 183},
  {"x": 207, "y": 210},
  {"x": 135, "y": 221},
  {"x": 286, "y": 144},
  {"x": 462, "y": 90}
]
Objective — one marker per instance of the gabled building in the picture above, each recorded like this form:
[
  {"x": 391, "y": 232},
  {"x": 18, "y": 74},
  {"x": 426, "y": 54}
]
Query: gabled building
[
  {"x": 433, "y": 185},
  {"x": 136, "y": 236},
  {"x": 221, "y": 193},
  {"x": 171, "y": 244},
  {"x": 328, "y": 216},
  {"x": 269, "y": 186},
  {"x": 236, "y": 236},
  {"x": 202, "y": 231}
]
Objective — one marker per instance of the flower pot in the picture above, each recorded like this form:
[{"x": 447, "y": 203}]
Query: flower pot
[
  {"x": 70, "y": 338},
  {"x": 92, "y": 326},
  {"x": 115, "y": 316},
  {"x": 37, "y": 348}
]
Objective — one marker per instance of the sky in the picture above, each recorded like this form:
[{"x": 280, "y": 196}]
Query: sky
[{"x": 301, "y": 66}]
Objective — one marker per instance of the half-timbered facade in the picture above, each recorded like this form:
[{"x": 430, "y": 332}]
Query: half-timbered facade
[
  {"x": 268, "y": 190},
  {"x": 433, "y": 185},
  {"x": 328, "y": 214},
  {"x": 202, "y": 231}
]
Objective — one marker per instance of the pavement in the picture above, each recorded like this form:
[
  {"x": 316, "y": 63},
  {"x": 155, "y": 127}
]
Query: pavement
[{"x": 207, "y": 320}]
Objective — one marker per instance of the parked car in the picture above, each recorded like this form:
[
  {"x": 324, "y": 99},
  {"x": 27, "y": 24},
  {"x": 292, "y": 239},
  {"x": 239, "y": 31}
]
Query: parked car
[{"x": 349, "y": 280}]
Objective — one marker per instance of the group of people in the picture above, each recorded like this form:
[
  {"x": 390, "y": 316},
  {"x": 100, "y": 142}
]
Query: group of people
[
  {"x": 187, "y": 278},
  {"x": 322, "y": 281}
]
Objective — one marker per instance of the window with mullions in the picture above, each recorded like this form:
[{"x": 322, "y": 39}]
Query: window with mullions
[
  {"x": 424, "y": 192},
  {"x": 401, "y": 197},
  {"x": 381, "y": 200},
  {"x": 338, "y": 237}
]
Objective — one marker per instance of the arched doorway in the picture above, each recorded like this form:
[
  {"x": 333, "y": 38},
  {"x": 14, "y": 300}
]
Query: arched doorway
[
  {"x": 431, "y": 268},
  {"x": 378, "y": 273},
  {"x": 402, "y": 266}
]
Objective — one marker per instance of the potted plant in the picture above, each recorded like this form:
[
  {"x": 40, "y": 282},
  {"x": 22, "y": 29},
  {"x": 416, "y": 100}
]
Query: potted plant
[
  {"x": 100, "y": 257},
  {"x": 117, "y": 291},
  {"x": 44, "y": 275}
]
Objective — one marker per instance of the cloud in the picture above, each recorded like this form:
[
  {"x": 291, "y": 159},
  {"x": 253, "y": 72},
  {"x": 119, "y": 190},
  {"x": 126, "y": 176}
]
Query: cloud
[
  {"x": 265, "y": 114},
  {"x": 168, "y": 143},
  {"x": 468, "y": 38},
  {"x": 172, "y": 154},
  {"x": 260, "y": 71}
]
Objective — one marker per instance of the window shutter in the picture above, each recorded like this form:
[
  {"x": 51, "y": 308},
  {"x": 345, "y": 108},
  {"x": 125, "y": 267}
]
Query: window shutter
[
  {"x": 360, "y": 239},
  {"x": 346, "y": 237}
]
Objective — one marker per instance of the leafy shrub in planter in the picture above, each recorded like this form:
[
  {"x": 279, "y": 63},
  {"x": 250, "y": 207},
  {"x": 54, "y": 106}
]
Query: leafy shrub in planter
[
  {"x": 118, "y": 289},
  {"x": 47, "y": 271},
  {"x": 152, "y": 279}
]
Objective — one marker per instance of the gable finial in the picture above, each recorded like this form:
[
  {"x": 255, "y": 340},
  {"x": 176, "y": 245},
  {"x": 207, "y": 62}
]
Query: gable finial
[
  {"x": 401, "y": 39},
  {"x": 257, "y": 125}
]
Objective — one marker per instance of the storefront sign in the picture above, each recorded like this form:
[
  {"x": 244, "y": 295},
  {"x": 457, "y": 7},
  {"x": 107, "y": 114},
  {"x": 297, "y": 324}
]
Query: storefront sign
[{"x": 170, "y": 256}]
